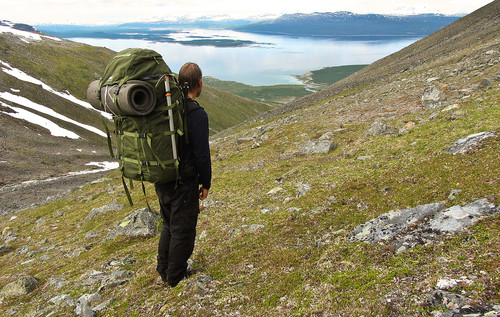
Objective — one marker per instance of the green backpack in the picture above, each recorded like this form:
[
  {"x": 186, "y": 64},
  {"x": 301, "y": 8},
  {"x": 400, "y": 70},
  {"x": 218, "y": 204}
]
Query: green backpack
[{"x": 147, "y": 140}]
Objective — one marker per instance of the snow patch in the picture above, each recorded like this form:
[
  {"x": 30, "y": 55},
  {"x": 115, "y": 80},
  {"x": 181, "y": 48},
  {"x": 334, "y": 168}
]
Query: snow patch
[
  {"x": 54, "y": 129},
  {"x": 25, "y": 35},
  {"x": 37, "y": 107},
  {"x": 19, "y": 74}
]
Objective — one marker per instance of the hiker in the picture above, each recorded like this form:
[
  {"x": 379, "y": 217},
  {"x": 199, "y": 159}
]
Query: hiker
[{"x": 179, "y": 201}]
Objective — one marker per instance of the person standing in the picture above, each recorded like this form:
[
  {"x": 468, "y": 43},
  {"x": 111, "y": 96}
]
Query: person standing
[{"x": 179, "y": 201}]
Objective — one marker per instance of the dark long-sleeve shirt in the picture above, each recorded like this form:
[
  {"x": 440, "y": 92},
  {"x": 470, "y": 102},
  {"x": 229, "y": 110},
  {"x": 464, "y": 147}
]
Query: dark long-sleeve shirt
[{"x": 197, "y": 152}]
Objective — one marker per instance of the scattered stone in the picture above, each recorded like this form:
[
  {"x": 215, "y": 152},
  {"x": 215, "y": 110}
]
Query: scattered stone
[
  {"x": 56, "y": 281},
  {"x": 423, "y": 224},
  {"x": 451, "y": 107},
  {"x": 274, "y": 190},
  {"x": 115, "y": 279},
  {"x": 63, "y": 299},
  {"x": 379, "y": 128},
  {"x": 453, "y": 194},
  {"x": 253, "y": 227},
  {"x": 439, "y": 298},
  {"x": 364, "y": 157},
  {"x": 92, "y": 235},
  {"x": 141, "y": 222},
  {"x": 201, "y": 284},
  {"x": 332, "y": 199},
  {"x": 267, "y": 210},
  {"x": 318, "y": 146},
  {"x": 325, "y": 137},
  {"x": 431, "y": 97},
  {"x": 391, "y": 223},
  {"x": 244, "y": 140},
  {"x": 22, "y": 286},
  {"x": 5, "y": 249},
  {"x": 464, "y": 144},
  {"x": 84, "y": 305},
  {"x": 457, "y": 218},
  {"x": 113, "y": 206},
  {"x": 303, "y": 189},
  {"x": 485, "y": 82},
  {"x": 449, "y": 283},
  {"x": 471, "y": 311}
]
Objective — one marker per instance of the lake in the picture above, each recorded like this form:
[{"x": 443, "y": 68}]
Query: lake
[{"x": 271, "y": 61}]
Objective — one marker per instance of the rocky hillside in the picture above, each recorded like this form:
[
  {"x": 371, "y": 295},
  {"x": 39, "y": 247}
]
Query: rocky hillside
[{"x": 376, "y": 197}]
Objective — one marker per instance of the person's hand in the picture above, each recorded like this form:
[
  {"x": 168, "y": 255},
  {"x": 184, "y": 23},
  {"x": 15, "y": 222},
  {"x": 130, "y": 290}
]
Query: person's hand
[{"x": 203, "y": 193}]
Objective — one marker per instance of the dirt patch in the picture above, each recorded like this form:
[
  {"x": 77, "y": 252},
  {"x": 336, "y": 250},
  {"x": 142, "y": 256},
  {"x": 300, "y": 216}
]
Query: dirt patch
[{"x": 30, "y": 194}]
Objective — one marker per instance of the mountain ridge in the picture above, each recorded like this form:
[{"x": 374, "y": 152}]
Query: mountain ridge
[
  {"x": 53, "y": 74},
  {"x": 291, "y": 190},
  {"x": 345, "y": 25}
]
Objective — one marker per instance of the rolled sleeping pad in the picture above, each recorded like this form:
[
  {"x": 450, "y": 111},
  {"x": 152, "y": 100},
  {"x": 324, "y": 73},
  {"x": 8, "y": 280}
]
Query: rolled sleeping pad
[
  {"x": 135, "y": 98},
  {"x": 93, "y": 95}
]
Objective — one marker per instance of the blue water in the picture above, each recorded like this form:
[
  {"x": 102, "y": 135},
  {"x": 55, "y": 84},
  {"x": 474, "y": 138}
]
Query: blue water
[{"x": 273, "y": 61}]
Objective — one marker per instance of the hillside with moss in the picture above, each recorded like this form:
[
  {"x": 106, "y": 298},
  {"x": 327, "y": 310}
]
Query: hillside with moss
[
  {"x": 290, "y": 189},
  {"x": 54, "y": 74}
]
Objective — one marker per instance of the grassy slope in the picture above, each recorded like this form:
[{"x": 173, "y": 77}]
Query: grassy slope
[
  {"x": 226, "y": 110},
  {"x": 299, "y": 262},
  {"x": 66, "y": 65},
  {"x": 274, "y": 95}
]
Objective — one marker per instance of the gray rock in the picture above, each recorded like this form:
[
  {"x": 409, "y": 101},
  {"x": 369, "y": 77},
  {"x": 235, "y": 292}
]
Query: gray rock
[
  {"x": 303, "y": 189},
  {"x": 421, "y": 225},
  {"x": 439, "y": 298},
  {"x": 84, "y": 305},
  {"x": 141, "y": 222},
  {"x": 63, "y": 299},
  {"x": 113, "y": 206},
  {"x": 457, "y": 218},
  {"x": 464, "y": 144},
  {"x": 5, "y": 249},
  {"x": 201, "y": 283},
  {"x": 22, "y": 286},
  {"x": 318, "y": 146},
  {"x": 431, "y": 97},
  {"x": 485, "y": 82},
  {"x": 254, "y": 227},
  {"x": 391, "y": 223},
  {"x": 379, "y": 128}
]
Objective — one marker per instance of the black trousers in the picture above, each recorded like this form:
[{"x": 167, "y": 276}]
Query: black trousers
[{"x": 179, "y": 208}]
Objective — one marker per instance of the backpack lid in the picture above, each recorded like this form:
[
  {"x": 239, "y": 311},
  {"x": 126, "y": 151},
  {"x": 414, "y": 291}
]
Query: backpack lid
[{"x": 134, "y": 64}]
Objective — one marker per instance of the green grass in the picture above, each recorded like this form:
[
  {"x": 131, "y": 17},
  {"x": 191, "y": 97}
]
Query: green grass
[{"x": 272, "y": 95}]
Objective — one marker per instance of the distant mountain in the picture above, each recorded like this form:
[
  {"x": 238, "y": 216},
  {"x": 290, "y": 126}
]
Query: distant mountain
[
  {"x": 345, "y": 25},
  {"x": 348, "y": 25}
]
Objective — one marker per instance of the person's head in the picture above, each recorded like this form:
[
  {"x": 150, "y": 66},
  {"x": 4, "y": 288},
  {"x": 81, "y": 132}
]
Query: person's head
[{"x": 191, "y": 73}]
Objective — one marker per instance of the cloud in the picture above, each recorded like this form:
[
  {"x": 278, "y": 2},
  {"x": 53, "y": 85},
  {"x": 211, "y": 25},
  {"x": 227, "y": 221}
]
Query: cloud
[{"x": 114, "y": 11}]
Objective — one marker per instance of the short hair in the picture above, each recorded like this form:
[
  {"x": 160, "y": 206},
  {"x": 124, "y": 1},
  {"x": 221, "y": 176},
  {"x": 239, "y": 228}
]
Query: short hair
[{"x": 190, "y": 73}]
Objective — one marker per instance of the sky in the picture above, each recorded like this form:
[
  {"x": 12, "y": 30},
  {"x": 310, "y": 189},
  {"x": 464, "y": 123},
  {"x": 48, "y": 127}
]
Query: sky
[{"x": 92, "y": 12}]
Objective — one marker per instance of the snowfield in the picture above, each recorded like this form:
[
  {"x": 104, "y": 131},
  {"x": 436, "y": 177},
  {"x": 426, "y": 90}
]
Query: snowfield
[{"x": 20, "y": 113}]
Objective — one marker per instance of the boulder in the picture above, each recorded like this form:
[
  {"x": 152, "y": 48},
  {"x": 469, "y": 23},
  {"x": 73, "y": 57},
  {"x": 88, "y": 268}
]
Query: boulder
[
  {"x": 318, "y": 146},
  {"x": 391, "y": 223},
  {"x": 431, "y": 97},
  {"x": 141, "y": 222},
  {"x": 379, "y": 128},
  {"x": 22, "y": 286},
  {"x": 464, "y": 144},
  {"x": 423, "y": 224},
  {"x": 457, "y": 218}
]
